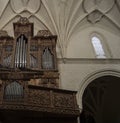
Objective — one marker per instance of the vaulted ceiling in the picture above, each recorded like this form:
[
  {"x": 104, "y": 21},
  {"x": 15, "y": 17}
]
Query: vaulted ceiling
[{"x": 62, "y": 17}]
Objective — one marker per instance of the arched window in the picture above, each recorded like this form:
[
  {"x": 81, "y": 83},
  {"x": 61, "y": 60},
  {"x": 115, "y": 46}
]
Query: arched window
[
  {"x": 98, "y": 47},
  {"x": 47, "y": 59},
  {"x": 13, "y": 91}
]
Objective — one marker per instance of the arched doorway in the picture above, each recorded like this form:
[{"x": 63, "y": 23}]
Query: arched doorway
[{"x": 101, "y": 101}]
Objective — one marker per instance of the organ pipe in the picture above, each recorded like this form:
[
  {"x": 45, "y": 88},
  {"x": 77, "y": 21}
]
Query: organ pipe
[
  {"x": 47, "y": 59},
  {"x": 13, "y": 91},
  {"x": 21, "y": 51}
]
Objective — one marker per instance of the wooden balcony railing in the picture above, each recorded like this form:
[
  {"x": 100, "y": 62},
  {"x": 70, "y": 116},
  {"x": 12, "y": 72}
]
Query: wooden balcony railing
[{"x": 39, "y": 99}]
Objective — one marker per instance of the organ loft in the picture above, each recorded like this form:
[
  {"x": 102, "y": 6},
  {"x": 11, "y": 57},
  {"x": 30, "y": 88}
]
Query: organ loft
[{"x": 29, "y": 78}]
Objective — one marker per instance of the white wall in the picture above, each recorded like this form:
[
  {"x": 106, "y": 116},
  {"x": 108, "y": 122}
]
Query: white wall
[
  {"x": 77, "y": 74},
  {"x": 81, "y": 62},
  {"x": 80, "y": 44},
  {"x": 73, "y": 74}
]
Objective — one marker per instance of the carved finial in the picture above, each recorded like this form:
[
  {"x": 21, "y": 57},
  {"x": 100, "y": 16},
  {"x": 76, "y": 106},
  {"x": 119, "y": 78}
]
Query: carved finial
[
  {"x": 3, "y": 33},
  {"x": 23, "y": 20},
  {"x": 44, "y": 33}
]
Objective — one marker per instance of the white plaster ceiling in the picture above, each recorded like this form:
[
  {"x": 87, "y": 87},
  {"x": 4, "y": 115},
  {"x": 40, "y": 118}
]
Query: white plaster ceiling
[{"x": 62, "y": 17}]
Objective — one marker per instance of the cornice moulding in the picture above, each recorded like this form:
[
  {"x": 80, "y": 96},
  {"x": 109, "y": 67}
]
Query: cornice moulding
[{"x": 88, "y": 61}]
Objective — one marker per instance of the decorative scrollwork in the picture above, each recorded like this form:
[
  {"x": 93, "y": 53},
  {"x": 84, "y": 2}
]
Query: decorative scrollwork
[
  {"x": 23, "y": 20},
  {"x": 50, "y": 74},
  {"x": 44, "y": 33},
  {"x": 63, "y": 100},
  {"x": 3, "y": 33},
  {"x": 38, "y": 97}
]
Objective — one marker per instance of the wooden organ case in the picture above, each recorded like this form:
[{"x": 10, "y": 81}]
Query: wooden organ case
[{"x": 29, "y": 78}]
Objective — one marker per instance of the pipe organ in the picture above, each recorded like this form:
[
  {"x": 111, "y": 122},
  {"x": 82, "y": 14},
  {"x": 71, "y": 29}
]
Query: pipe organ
[
  {"x": 27, "y": 51},
  {"x": 29, "y": 87}
]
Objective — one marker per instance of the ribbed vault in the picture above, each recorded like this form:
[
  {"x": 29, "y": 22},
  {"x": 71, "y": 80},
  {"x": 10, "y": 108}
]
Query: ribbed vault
[{"x": 62, "y": 17}]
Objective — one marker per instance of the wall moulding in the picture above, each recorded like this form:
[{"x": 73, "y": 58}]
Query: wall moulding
[{"x": 88, "y": 61}]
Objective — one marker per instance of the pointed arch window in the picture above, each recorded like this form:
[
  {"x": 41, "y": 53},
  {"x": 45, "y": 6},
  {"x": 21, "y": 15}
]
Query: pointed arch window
[
  {"x": 98, "y": 48},
  {"x": 47, "y": 59}
]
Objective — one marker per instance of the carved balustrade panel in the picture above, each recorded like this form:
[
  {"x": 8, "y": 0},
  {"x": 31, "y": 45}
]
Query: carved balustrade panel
[
  {"x": 38, "y": 97},
  {"x": 41, "y": 99},
  {"x": 63, "y": 100}
]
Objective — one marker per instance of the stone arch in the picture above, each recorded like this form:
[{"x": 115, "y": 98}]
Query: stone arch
[{"x": 90, "y": 78}]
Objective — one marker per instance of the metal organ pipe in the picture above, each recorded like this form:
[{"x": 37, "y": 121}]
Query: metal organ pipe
[
  {"x": 21, "y": 50},
  {"x": 13, "y": 91},
  {"x": 47, "y": 59},
  {"x": 7, "y": 61},
  {"x": 21, "y": 39},
  {"x": 18, "y": 54},
  {"x": 33, "y": 61},
  {"x": 15, "y": 56},
  {"x": 25, "y": 59},
  {"x": 25, "y": 52}
]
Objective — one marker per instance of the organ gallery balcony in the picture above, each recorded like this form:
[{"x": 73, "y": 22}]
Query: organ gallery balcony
[
  {"x": 14, "y": 95},
  {"x": 29, "y": 78}
]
